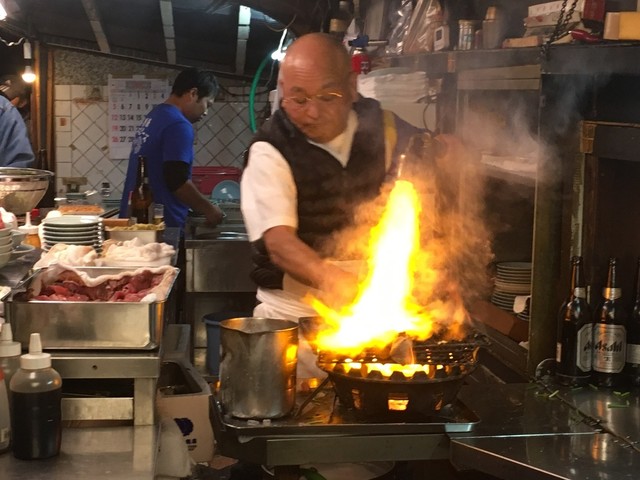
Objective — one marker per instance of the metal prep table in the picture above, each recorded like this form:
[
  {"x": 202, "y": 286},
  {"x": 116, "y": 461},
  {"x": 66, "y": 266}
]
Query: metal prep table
[{"x": 506, "y": 430}]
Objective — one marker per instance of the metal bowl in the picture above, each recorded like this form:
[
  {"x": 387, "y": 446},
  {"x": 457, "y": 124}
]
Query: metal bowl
[{"x": 22, "y": 188}]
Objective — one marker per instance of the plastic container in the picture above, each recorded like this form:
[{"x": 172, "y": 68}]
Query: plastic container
[
  {"x": 31, "y": 232},
  {"x": 5, "y": 422},
  {"x": 10, "y": 352},
  {"x": 36, "y": 405},
  {"x": 212, "y": 321},
  {"x": 206, "y": 178}
]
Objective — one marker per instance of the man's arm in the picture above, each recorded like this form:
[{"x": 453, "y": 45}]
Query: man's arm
[
  {"x": 297, "y": 259},
  {"x": 189, "y": 194},
  {"x": 15, "y": 147}
]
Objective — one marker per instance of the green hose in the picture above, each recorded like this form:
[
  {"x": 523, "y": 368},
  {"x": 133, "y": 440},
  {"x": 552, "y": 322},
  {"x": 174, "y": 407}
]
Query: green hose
[{"x": 252, "y": 93}]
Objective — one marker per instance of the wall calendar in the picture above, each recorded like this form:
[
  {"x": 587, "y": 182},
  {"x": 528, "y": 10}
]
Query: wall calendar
[{"x": 130, "y": 99}]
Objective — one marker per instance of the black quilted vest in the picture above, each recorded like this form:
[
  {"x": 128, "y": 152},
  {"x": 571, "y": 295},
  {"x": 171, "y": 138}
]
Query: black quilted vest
[{"x": 328, "y": 193}]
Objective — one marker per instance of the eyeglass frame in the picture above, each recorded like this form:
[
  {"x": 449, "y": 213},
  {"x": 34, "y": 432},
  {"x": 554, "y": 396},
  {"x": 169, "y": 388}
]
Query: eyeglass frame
[{"x": 302, "y": 101}]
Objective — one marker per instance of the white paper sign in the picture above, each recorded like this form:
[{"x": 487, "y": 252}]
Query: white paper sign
[{"x": 130, "y": 99}]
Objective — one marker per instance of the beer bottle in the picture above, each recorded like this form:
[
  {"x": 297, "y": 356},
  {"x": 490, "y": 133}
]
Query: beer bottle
[
  {"x": 610, "y": 334},
  {"x": 632, "y": 366},
  {"x": 141, "y": 196},
  {"x": 575, "y": 339}
]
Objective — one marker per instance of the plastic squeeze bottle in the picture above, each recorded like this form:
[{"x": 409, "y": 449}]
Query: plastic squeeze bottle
[
  {"x": 31, "y": 232},
  {"x": 9, "y": 353},
  {"x": 36, "y": 405},
  {"x": 5, "y": 429}
]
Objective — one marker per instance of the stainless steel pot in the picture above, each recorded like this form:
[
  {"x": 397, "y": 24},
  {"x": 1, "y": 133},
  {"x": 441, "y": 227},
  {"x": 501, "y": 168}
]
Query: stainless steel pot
[
  {"x": 258, "y": 359},
  {"x": 22, "y": 188}
]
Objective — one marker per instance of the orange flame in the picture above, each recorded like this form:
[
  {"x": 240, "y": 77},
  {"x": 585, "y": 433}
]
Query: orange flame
[{"x": 385, "y": 304}]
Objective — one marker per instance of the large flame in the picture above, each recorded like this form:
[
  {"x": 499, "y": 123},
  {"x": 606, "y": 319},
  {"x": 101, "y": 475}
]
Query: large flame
[{"x": 386, "y": 303}]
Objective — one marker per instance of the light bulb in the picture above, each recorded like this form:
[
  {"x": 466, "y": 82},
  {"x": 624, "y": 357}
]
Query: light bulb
[
  {"x": 28, "y": 75},
  {"x": 3, "y": 12}
]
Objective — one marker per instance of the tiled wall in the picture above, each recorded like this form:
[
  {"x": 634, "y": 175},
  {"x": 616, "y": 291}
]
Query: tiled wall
[{"x": 80, "y": 111}]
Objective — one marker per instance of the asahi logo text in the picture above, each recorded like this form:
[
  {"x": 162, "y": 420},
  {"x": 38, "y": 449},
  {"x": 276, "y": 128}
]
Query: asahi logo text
[{"x": 615, "y": 347}]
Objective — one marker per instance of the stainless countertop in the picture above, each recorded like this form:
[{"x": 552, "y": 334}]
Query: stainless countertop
[{"x": 122, "y": 453}]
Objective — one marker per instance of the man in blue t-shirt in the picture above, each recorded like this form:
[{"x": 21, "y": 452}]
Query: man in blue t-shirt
[
  {"x": 166, "y": 138},
  {"x": 15, "y": 146}
]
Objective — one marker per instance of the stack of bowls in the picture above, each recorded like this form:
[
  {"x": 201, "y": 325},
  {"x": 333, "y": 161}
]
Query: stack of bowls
[
  {"x": 73, "y": 230},
  {"x": 6, "y": 245},
  {"x": 513, "y": 279}
]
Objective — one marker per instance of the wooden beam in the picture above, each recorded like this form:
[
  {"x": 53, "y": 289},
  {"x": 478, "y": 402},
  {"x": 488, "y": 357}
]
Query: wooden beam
[
  {"x": 166, "y": 12},
  {"x": 96, "y": 25}
]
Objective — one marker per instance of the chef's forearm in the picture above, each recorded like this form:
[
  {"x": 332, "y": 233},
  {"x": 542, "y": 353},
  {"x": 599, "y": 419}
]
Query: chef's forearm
[
  {"x": 189, "y": 194},
  {"x": 296, "y": 258}
]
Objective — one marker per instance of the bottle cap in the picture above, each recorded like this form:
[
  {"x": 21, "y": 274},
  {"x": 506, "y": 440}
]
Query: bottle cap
[
  {"x": 8, "y": 348},
  {"x": 36, "y": 358}
]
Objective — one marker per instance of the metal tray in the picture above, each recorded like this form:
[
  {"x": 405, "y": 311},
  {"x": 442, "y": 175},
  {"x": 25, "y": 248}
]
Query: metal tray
[
  {"x": 87, "y": 325},
  {"x": 325, "y": 416}
]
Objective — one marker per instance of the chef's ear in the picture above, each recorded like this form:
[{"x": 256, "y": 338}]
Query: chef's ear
[{"x": 352, "y": 85}]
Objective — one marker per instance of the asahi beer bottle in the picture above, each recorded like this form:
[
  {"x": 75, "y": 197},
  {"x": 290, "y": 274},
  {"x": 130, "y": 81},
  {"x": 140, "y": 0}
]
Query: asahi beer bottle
[
  {"x": 610, "y": 334},
  {"x": 632, "y": 367},
  {"x": 141, "y": 196},
  {"x": 575, "y": 339}
]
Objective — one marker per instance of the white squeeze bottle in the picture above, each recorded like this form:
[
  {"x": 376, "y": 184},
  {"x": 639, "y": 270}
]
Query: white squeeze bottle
[
  {"x": 36, "y": 405},
  {"x": 9, "y": 353}
]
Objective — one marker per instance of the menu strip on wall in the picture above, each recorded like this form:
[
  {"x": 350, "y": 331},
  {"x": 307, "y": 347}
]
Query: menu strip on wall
[{"x": 130, "y": 99}]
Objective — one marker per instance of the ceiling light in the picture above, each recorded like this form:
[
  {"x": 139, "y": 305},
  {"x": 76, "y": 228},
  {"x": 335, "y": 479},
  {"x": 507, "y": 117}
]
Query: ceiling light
[
  {"x": 3, "y": 12},
  {"x": 28, "y": 75}
]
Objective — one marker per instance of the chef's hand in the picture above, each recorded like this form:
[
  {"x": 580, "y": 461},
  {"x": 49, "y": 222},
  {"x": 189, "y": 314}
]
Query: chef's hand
[
  {"x": 339, "y": 288},
  {"x": 214, "y": 215}
]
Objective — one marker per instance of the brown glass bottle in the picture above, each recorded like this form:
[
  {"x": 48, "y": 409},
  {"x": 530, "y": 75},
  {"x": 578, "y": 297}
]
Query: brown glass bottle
[
  {"x": 632, "y": 365},
  {"x": 141, "y": 196},
  {"x": 610, "y": 334},
  {"x": 575, "y": 339}
]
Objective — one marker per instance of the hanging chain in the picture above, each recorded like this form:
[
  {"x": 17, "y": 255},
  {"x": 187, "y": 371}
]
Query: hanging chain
[{"x": 560, "y": 29}]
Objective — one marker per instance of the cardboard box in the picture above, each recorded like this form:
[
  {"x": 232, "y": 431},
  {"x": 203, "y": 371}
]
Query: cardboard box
[{"x": 183, "y": 395}]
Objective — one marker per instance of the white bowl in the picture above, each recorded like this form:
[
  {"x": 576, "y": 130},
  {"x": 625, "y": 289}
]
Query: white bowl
[
  {"x": 17, "y": 237},
  {"x": 5, "y": 232},
  {"x": 6, "y": 241},
  {"x": 6, "y": 248}
]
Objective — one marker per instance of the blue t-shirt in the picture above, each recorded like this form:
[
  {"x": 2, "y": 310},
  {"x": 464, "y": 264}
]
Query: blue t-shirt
[
  {"x": 15, "y": 148},
  {"x": 165, "y": 135}
]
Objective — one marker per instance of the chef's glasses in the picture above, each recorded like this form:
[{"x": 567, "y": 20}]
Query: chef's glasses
[{"x": 301, "y": 101}]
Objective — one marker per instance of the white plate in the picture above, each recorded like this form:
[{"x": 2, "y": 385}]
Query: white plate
[
  {"x": 518, "y": 266},
  {"x": 73, "y": 221},
  {"x": 71, "y": 238}
]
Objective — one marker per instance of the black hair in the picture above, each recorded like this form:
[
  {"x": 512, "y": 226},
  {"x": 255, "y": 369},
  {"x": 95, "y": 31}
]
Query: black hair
[
  {"x": 12, "y": 86},
  {"x": 204, "y": 81}
]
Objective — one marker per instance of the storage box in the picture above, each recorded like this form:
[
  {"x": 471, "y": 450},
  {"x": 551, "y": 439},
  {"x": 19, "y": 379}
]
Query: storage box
[
  {"x": 206, "y": 178},
  {"x": 183, "y": 395}
]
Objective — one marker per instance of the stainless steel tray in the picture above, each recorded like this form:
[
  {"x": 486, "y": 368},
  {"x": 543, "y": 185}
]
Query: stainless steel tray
[
  {"x": 325, "y": 416},
  {"x": 87, "y": 325}
]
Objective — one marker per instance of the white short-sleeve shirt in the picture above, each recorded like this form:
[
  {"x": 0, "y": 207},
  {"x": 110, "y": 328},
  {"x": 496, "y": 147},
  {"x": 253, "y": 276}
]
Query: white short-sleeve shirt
[{"x": 268, "y": 191}]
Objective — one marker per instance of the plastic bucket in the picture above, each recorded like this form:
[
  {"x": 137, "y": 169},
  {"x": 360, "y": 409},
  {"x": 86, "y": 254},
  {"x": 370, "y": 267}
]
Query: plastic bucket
[
  {"x": 212, "y": 321},
  {"x": 258, "y": 360}
]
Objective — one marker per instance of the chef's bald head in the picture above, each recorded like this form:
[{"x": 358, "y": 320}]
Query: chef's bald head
[{"x": 321, "y": 51}]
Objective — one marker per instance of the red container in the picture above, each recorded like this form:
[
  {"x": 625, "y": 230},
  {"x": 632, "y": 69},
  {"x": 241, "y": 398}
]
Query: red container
[{"x": 206, "y": 178}]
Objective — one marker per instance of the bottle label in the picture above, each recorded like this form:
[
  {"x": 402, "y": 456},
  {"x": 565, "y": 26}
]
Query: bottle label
[
  {"x": 609, "y": 348},
  {"x": 611, "y": 293},
  {"x": 558, "y": 352},
  {"x": 580, "y": 292},
  {"x": 584, "y": 348},
  {"x": 633, "y": 353}
]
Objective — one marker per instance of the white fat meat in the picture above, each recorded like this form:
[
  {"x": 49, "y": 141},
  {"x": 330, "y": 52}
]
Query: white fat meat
[
  {"x": 71, "y": 255},
  {"x": 136, "y": 251}
]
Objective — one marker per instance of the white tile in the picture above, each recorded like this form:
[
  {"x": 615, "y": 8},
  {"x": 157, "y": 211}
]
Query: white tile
[
  {"x": 82, "y": 166},
  {"x": 62, "y": 108},
  {"x": 63, "y": 124},
  {"x": 82, "y": 143},
  {"x": 63, "y": 170},
  {"x": 63, "y": 139},
  {"x": 63, "y": 155},
  {"x": 78, "y": 91},
  {"x": 62, "y": 92}
]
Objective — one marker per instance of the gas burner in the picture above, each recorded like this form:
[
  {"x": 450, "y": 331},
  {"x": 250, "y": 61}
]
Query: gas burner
[{"x": 378, "y": 387}]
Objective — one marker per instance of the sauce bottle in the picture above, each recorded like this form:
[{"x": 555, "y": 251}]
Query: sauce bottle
[
  {"x": 31, "y": 231},
  {"x": 9, "y": 353},
  {"x": 36, "y": 405}
]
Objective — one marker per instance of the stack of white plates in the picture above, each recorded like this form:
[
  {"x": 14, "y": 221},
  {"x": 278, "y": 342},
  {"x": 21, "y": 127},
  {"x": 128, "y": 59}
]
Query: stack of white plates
[
  {"x": 513, "y": 279},
  {"x": 73, "y": 230}
]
